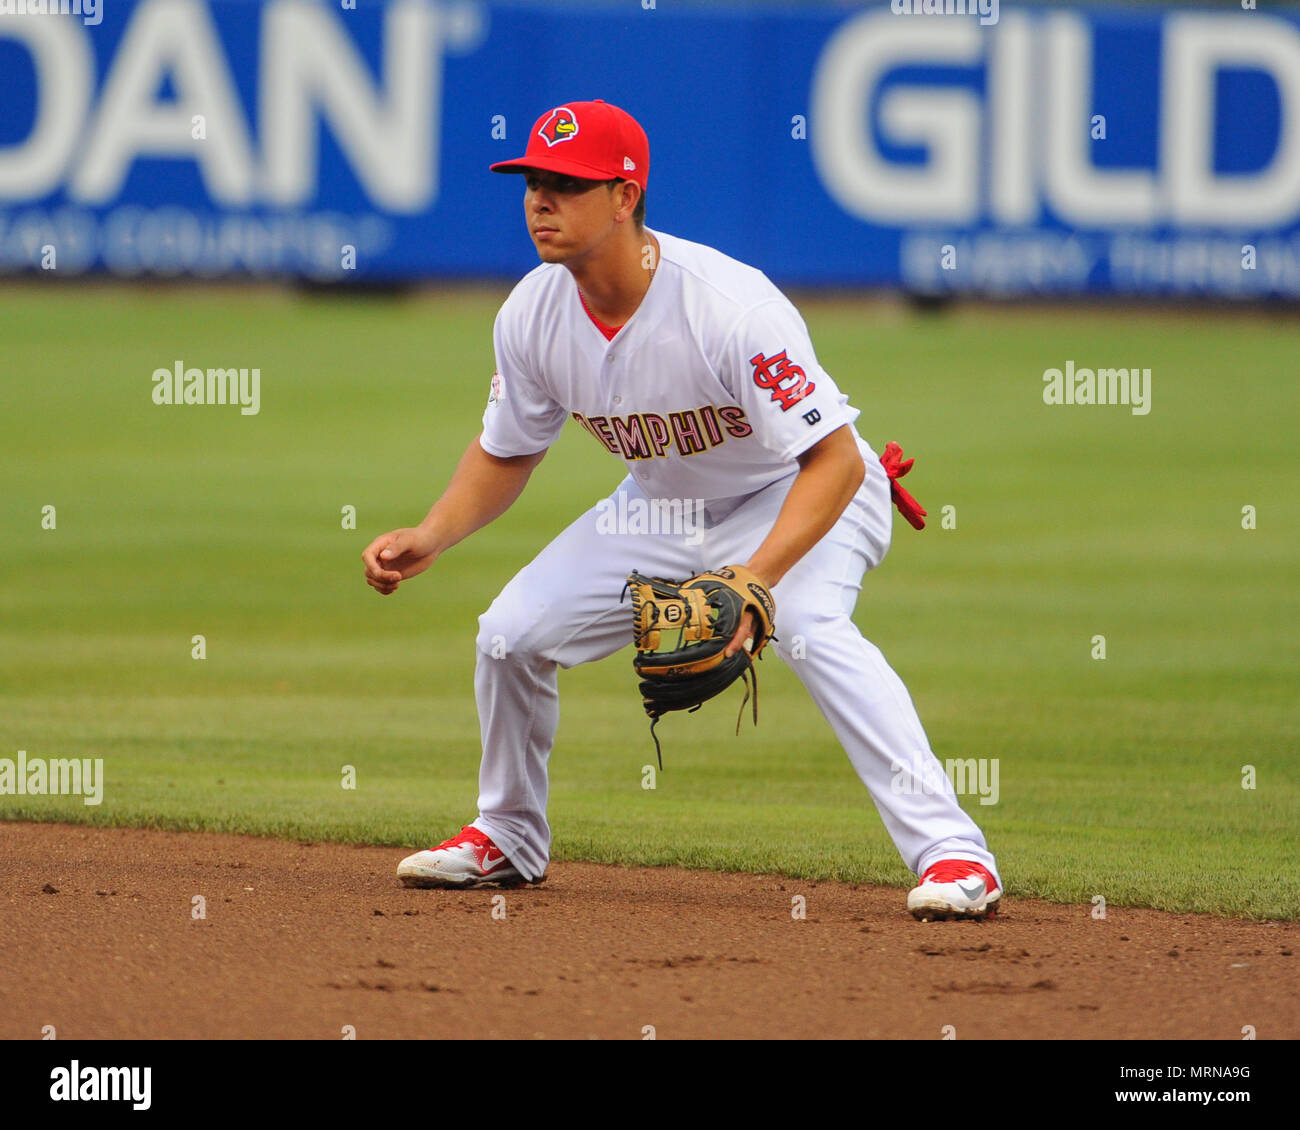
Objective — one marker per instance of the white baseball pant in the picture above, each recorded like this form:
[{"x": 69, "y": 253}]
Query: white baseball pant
[{"x": 563, "y": 609}]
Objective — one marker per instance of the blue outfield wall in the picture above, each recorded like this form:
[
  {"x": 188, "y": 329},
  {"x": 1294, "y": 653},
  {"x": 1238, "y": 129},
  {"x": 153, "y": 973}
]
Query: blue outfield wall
[{"x": 1030, "y": 149}]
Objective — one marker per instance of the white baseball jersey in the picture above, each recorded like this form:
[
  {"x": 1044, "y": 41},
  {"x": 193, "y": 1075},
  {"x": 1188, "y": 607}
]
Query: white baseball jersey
[{"x": 709, "y": 391}]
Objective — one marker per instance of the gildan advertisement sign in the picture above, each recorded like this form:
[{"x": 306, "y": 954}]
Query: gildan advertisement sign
[{"x": 1000, "y": 149}]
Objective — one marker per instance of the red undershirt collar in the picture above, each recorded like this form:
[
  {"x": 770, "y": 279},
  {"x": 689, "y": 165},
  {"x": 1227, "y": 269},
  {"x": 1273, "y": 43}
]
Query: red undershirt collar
[{"x": 608, "y": 331}]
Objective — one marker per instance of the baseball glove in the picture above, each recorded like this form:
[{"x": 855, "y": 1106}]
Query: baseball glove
[{"x": 681, "y": 631}]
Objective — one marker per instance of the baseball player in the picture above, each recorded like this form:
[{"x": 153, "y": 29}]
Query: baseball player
[{"x": 698, "y": 373}]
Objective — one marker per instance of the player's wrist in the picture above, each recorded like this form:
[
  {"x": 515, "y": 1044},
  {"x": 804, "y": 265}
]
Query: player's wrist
[
  {"x": 433, "y": 535},
  {"x": 765, "y": 571}
]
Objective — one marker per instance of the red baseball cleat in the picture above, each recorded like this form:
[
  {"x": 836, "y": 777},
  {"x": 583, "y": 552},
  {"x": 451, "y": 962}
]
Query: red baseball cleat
[
  {"x": 469, "y": 859},
  {"x": 955, "y": 888}
]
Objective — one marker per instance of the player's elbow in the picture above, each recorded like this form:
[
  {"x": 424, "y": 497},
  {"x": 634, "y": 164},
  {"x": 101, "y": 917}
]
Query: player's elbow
[
  {"x": 852, "y": 467},
  {"x": 838, "y": 461},
  {"x": 857, "y": 468},
  {"x": 842, "y": 446}
]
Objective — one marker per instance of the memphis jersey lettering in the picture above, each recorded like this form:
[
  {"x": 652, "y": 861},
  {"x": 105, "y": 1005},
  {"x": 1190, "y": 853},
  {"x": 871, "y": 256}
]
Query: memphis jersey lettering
[
  {"x": 694, "y": 393},
  {"x": 649, "y": 435}
]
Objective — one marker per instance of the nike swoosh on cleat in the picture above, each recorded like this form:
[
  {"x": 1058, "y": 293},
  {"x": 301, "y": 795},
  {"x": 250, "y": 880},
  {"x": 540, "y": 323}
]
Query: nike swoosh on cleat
[
  {"x": 490, "y": 864},
  {"x": 971, "y": 893}
]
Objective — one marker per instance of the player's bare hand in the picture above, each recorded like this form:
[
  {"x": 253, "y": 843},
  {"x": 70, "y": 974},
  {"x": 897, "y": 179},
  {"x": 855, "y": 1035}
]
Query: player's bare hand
[
  {"x": 397, "y": 556},
  {"x": 744, "y": 636}
]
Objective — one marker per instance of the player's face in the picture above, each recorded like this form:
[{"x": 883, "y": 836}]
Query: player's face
[{"x": 567, "y": 216}]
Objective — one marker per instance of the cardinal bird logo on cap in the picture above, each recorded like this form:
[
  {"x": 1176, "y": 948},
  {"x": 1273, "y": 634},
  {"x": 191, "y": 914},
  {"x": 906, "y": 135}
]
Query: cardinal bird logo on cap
[{"x": 560, "y": 126}]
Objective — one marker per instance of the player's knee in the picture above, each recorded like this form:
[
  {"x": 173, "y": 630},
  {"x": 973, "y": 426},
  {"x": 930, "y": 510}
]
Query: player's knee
[
  {"x": 509, "y": 633},
  {"x": 497, "y": 633},
  {"x": 800, "y": 627}
]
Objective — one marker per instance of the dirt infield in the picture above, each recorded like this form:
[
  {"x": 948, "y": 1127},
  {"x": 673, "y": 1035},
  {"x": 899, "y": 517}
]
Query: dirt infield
[{"x": 301, "y": 940}]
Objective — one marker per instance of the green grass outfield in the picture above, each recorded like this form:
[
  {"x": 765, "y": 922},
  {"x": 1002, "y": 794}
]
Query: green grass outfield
[{"x": 1120, "y": 777}]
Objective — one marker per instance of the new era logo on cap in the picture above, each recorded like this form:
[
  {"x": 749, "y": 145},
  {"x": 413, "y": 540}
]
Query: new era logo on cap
[{"x": 629, "y": 166}]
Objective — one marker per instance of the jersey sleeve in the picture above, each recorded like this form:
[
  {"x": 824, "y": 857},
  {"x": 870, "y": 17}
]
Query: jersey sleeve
[
  {"x": 770, "y": 367},
  {"x": 520, "y": 417}
]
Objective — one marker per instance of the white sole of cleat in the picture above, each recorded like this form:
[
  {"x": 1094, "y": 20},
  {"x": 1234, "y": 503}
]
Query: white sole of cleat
[
  {"x": 413, "y": 875},
  {"x": 937, "y": 910}
]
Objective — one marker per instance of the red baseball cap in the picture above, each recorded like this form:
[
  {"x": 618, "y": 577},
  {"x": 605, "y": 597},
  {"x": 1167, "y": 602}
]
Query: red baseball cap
[{"x": 592, "y": 140}]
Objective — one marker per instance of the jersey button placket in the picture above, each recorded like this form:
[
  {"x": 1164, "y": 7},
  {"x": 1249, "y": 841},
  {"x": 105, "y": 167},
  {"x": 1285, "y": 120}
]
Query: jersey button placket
[
  {"x": 607, "y": 378},
  {"x": 609, "y": 365}
]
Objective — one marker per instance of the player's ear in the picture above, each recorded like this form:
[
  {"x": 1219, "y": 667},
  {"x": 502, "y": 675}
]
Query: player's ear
[{"x": 626, "y": 194}]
